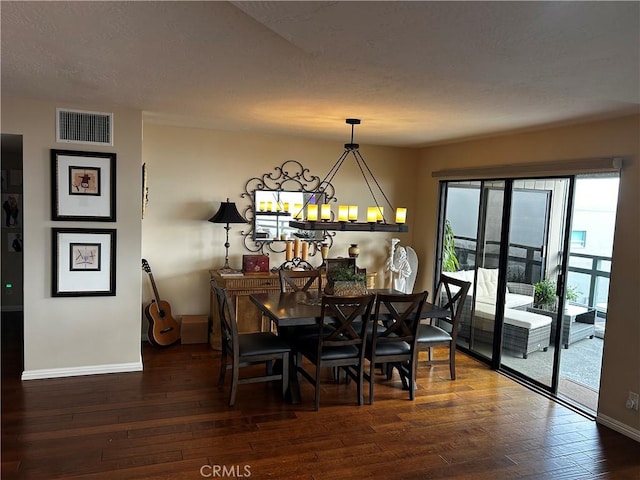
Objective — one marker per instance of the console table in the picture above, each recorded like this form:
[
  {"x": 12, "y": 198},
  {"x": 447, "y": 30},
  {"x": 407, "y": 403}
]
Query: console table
[{"x": 239, "y": 287}]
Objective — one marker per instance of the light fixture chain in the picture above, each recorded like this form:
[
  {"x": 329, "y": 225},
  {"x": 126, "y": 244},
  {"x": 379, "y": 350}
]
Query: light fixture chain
[{"x": 359, "y": 156}]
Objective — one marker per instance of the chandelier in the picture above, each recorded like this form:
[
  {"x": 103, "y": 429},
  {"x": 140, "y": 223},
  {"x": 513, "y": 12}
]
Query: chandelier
[{"x": 321, "y": 217}]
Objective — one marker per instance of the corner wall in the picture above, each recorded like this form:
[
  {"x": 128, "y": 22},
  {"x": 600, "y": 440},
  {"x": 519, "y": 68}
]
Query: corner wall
[{"x": 79, "y": 335}]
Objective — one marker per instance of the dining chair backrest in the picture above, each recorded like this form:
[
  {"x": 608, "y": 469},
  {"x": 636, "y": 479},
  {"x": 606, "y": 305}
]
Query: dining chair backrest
[
  {"x": 248, "y": 349},
  {"x": 397, "y": 317},
  {"x": 346, "y": 319},
  {"x": 228, "y": 325},
  {"x": 300, "y": 281},
  {"x": 452, "y": 294},
  {"x": 338, "y": 342},
  {"x": 393, "y": 342}
]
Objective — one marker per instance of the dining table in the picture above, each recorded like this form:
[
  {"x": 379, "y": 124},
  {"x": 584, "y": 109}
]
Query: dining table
[{"x": 294, "y": 309}]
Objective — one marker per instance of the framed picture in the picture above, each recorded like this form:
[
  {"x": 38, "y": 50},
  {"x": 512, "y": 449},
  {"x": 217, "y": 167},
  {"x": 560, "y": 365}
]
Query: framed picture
[
  {"x": 83, "y": 186},
  {"x": 11, "y": 212},
  {"x": 255, "y": 264},
  {"x": 145, "y": 190},
  {"x": 84, "y": 262},
  {"x": 14, "y": 242}
]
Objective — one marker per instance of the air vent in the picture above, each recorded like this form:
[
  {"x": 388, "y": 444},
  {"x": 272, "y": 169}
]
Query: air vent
[{"x": 77, "y": 126}]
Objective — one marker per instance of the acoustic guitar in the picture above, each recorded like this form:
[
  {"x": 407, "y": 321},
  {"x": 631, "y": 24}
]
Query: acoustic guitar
[{"x": 163, "y": 329}]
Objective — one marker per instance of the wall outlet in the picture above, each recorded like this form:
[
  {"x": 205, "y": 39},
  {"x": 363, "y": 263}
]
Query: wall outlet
[{"x": 632, "y": 401}]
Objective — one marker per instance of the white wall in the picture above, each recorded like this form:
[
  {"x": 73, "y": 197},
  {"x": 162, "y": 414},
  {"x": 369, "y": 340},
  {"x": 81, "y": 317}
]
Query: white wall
[{"x": 69, "y": 336}]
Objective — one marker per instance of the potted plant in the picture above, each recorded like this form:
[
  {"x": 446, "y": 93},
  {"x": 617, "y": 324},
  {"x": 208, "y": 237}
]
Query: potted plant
[
  {"x": 450, "y": 261},
  {"x": 347, "y": 281},
  {"x": 544, "y": 297}
]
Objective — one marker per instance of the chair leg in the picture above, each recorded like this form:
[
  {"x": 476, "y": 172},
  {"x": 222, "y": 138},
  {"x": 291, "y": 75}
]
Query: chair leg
[
  {"x": 360, "y": 383},
  {"x": 452, "y": 361},
  {"x": 223, "y": 367},
  {"x": 412, "y": 378},
  {"x": 234, "y": 383},
  {"x": 269, "y": 367},
  {"x": 389, "y": 368},
  {"x": 285, "y": 373},
  {"x": 372, "y": 367},
  {"x": 317, "y": 392}
]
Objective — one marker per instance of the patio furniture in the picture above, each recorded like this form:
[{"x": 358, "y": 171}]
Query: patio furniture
[
  {"x": 578, "y": 323},
  {"x": 523, "y": 332}
]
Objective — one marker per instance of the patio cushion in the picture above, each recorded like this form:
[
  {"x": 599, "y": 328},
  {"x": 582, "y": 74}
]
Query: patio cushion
[{"x": 518, "y": 318}]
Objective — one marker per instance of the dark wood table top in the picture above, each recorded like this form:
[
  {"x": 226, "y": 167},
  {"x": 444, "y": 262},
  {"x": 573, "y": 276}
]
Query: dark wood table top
[{"x": 302, "y": 308}]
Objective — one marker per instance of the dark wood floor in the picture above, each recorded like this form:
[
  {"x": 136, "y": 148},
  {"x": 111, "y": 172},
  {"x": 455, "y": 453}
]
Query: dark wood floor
[{"x": 171, "y": 422}]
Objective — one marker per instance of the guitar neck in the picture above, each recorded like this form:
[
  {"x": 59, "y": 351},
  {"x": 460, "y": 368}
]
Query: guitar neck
[{"x": 155, "y": 289}]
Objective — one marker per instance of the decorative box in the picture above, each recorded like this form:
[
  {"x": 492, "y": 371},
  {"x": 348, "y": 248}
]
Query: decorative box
[
  {"x": 194, "y": 329},
  {"x": 255, "y": 264}
]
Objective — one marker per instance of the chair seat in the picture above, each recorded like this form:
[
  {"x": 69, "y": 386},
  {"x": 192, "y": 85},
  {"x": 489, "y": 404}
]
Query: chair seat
[
  {"x": 386, "y": 349},
  {"x": 309, "y": 348},
  {"x": 261, "y": 343},
  {"x": 431, "y": 333}
]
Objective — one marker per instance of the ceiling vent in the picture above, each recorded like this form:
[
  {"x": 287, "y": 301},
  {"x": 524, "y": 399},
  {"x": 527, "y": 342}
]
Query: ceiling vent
[{"x": 77, "y": 126}]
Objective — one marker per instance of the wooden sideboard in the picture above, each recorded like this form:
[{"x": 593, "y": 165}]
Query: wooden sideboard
[{"x": 239, "y": 287}]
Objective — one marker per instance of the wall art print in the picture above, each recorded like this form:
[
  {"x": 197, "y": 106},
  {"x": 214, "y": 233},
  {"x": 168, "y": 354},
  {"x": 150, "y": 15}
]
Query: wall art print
[
  {"x": 83, "y": 186},
  {"x": 84, "y": 262}
]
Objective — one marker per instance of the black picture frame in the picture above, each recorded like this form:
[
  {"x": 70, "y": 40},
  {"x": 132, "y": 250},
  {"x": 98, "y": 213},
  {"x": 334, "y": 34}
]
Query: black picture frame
[
  {"x": 83, "y": 186},
  {"x": 83, "y": 262}
]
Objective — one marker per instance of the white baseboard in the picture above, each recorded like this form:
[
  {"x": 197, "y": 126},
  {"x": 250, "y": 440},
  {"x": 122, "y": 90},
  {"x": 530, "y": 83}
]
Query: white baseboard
[
  {"x": 88, "y": 370},
  {"x": 625, "y": 430}
]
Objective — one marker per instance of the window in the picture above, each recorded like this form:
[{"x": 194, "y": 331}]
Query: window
[{"x": 578, "y": 238}]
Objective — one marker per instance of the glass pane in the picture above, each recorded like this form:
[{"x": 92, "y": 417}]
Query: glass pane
[
  {"x": 528, "y": 328},
  {"x": 580, "y": 261},
  {"x": 459, "y": 246}
]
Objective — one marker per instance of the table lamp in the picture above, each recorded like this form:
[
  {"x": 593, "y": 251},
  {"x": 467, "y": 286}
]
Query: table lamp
[{"x": 227, "y": 213}]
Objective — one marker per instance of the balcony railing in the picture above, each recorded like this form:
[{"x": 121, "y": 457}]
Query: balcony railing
[
  {"x": 591, "y": 274},
  {"x": 587, "y": 273}
]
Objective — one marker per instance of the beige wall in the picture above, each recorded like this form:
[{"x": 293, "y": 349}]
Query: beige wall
[
  {"x": 614, "y": 138},
  {"x": 70, "y": 336},
  {"x": 192, "y": 170}
]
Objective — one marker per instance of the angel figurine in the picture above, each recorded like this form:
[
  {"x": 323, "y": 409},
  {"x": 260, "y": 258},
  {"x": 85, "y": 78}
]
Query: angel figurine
[{"x": 399, "y": 267}]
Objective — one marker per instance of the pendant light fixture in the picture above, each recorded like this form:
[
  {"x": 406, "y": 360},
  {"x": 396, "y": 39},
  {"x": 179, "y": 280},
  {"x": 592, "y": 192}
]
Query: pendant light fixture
[{"x": 320, "y": 217}]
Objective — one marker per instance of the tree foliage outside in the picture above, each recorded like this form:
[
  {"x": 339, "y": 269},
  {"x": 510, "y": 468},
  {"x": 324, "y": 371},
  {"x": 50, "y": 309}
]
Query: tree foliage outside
[{"x": 449, "y": 258}]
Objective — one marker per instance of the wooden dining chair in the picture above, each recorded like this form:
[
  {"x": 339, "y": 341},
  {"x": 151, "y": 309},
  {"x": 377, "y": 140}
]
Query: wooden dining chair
[
  {"x": 244, "y": 349},
  {"x": 392, "y": 341},
  {"x": 336, "y": 342},
  {"x": 451, "y": 293},
  {"x": 300, "y": 281}
]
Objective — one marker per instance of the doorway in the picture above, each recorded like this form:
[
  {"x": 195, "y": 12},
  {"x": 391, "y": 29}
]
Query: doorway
[
  {"x": 528, "y": 250},
  {"x": 12, "y": 254}
]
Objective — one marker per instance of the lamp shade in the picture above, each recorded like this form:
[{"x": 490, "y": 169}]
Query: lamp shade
[{"x": 227, "y": 213}]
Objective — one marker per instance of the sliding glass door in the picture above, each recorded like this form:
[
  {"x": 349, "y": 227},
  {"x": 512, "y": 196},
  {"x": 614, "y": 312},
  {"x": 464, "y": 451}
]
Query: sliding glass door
[
  {"x": 532, "y": 248},
  {"x": 507, "y": 236}
]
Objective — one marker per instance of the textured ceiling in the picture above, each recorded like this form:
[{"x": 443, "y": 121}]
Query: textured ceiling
[{"x": 416, "y": 73}]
